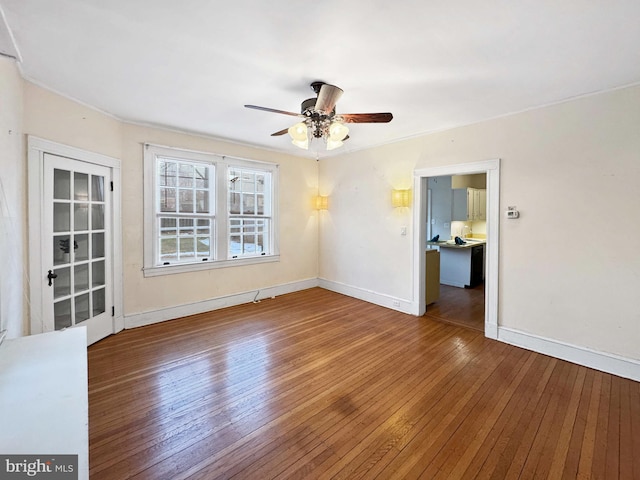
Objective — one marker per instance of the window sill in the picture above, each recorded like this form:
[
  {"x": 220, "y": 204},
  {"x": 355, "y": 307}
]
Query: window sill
[{"x": 196, "y": 267}]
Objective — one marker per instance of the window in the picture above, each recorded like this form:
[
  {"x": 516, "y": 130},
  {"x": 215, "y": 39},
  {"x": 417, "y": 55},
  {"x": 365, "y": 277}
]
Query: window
[
  {"x": 205, "y": 211},
  {"x": 184, "y": 211},
  {"x": 249, "y": 212}
]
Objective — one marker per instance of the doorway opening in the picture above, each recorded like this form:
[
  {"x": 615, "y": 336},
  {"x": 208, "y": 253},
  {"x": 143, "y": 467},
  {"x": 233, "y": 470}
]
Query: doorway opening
[
  {"x": 474, "y": 264},
  {"x": 455, "y": 258}
]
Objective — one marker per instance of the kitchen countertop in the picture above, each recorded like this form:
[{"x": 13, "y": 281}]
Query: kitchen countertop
[{"x": 469, "y": 244}]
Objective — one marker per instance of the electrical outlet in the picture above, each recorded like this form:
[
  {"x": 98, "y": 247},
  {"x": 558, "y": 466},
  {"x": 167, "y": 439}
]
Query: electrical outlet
[{"x": 396, "y": 303}]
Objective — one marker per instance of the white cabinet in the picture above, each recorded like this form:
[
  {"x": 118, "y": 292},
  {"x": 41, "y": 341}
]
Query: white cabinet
[
  {"x": 44, "y": 399},
  {"x": 460, "y": 205},
  {"x": 469, "y": 204},
  {"x": 480, "y": 205},
  {"x": 462, "y": 266}
]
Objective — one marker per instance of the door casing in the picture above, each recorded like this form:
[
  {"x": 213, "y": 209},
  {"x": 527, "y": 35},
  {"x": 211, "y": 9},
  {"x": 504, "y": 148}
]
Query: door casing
[
  {"x": 37, "y": 147},
  {"x": 492, "y": 169}
]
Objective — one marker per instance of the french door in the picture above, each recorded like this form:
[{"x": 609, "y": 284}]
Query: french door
[{"x": 76, "y": 249}]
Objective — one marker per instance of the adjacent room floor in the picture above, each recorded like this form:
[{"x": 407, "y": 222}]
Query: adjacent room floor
[
  {"x": 459, "y": 306},
  {"x": 315, "y": 384}
]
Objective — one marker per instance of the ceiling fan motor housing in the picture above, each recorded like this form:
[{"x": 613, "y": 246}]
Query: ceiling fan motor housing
[
  {"x": 318, "y": 122},
  {"x": 308, "y": 105}
]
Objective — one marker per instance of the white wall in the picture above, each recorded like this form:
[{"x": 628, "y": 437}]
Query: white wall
[
  {"x": 360, "y": 234},
  {"x": 571, "y": 169},
  {"x": 53, "y": 117},
  {"x": 298, "y": 180},
  {"x": 12, "y": 205},
  {"x": 61, "y": 120},
  {"x": 569, "y": 267}
]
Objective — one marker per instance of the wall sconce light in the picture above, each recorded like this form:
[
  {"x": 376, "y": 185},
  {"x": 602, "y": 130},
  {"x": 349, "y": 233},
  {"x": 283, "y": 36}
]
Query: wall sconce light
[
  {"x": 321, "y": 202},
  {"x": 401, "y": 198}
]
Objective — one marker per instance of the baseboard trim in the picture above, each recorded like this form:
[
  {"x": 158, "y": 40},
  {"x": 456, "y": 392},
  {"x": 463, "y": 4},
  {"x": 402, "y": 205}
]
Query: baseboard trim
[
  {"x": 394, "y": 303},
  {"x": 147, "y": 318},
  {"x": 605, "y": 362}
]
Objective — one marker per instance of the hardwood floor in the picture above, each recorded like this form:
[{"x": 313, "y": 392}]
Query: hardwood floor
[
  {"x": 460, "y": 306},
  {"x": 319, "y": 385}
]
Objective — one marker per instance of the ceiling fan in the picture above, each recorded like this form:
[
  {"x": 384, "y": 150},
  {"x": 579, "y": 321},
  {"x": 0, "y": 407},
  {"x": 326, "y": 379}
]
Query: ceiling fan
[{"x": 320, "y": 120}]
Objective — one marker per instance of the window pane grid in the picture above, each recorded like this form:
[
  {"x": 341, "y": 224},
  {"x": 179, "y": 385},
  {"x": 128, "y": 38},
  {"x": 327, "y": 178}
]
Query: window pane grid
[
  {"x": 184, "y": 239},
  {"x": 78, "y": 250},
  {"x": 247, "y": 191},
  {"x": 183, "y": 187},
  {"x": 191, "y": 190},
  {"x": 248, "y": 236},
  {"x": 249, "y": 219}
]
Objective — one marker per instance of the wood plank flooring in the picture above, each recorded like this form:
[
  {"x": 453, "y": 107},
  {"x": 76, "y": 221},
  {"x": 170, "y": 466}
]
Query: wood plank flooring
[
  {"x": 319, "y": 385},
  {"x": 459, "y": 306}
]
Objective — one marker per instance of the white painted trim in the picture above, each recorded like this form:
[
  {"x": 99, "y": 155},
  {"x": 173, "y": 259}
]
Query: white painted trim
[
  {"x": 492, "y": 250},
  {"x": 11, "y": 50},
  {"x": 605, "y": 362},
  {"x": 220, "y": 215},
  {"x": 72, "y": 152},
  {"x": 116, "y": 228},
  {"x": 36, "y": 148},
  {"x": 35, "y": 185},
  {"x": 614, "y": 364},
  {"x": 419, "y": 262},
  {"x": 195, "y": 267},
  {"x": 492, "y": 169},
  {"x": 403, "y": 305},
  {"x": 179, "y": 311}
]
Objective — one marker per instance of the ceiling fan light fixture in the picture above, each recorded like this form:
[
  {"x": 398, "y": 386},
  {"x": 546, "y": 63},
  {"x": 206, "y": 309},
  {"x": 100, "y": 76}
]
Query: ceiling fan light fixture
[
  {"x": 338, "y": 131},
  {"x": 320, "y": 119},
  {"x": 298, "y": 131},
  {"x": 304, "y": 144},
  {"x": 331, "y": 144},
  {"x": 299, "y": 135}
]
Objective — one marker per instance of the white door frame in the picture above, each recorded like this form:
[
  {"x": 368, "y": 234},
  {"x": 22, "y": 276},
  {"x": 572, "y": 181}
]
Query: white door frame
[
  {"x": 37, "y": 147},
  {"x": 492, "y": 169}
]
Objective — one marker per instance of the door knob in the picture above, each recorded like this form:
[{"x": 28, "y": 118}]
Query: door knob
[{"x": 51, "y": 276}]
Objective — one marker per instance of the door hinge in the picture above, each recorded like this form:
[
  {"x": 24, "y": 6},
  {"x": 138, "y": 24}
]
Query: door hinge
[
  {"x": 113, "y": 311},
  {"x": 111, "y": 186}
]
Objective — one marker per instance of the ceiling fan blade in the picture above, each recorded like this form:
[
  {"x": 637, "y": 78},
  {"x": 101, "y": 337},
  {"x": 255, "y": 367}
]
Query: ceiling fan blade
[
  {"x": 366, "y": 117},
  {"x": 328, "y": 97},
  {"x": 281, "y": 132},
  {"x": 273, "y": 110}
]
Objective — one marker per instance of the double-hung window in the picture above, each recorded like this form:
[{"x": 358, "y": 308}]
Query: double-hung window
[
  {"x": 249, "y": 211},
  {"x": 185, "y": 211},
  {"x": 205, "y": 211}
]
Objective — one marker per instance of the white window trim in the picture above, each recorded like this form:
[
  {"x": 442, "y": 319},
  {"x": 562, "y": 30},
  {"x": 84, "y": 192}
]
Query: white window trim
[{"x": 219, "y": 249}]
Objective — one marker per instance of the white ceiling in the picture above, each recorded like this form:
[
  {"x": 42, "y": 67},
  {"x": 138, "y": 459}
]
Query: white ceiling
[{"x": 192, "y": 65}]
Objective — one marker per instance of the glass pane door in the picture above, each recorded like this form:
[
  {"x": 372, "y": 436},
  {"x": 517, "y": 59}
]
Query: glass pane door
[{"x": 78, "y": 247}]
